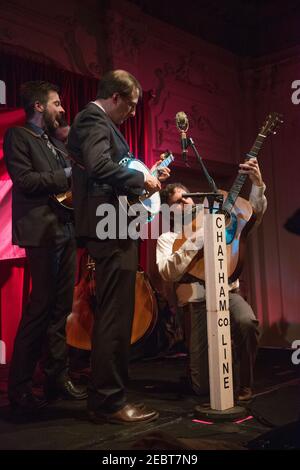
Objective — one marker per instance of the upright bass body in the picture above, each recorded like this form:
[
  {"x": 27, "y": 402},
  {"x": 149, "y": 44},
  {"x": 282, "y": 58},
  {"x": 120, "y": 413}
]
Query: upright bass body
[{"x": 81, "y": 321}]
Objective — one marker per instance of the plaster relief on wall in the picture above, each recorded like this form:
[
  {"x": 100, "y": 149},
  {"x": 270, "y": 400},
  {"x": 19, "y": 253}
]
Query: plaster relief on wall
[
  {"x": 198, "y": 124},
  {"x": 125, "y": 38},
  {"x": 80, "y": 50},
  {"x": 265, "y": 80},
  {"x": 188, "y": 72},
  {"x": 71, "y": 35},
  {"x": 88, "y": 45},
  {"x": 209, "y": 127},
  {"x": 201, "y": 123}
]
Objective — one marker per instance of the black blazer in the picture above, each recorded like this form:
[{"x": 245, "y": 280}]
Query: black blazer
[
  {"x": 36, "y": 175},
  {"x": 96, "y": 143}
]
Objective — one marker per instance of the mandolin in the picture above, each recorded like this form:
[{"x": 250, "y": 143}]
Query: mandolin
[{"x": 64, "y": 199}]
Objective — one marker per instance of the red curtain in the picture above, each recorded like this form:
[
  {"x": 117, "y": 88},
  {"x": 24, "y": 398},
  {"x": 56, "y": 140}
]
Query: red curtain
[
  {"x": 76, "y": 91},
  {"x": 7, "y": 250}
]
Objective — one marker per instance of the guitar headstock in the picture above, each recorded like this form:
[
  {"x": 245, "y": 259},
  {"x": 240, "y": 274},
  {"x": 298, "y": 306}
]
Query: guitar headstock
[{"x": 273, "y": 120}]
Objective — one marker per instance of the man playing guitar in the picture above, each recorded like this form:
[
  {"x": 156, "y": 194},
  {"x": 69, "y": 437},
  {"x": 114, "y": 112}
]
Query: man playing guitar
[{"x": 173, "y": 266}]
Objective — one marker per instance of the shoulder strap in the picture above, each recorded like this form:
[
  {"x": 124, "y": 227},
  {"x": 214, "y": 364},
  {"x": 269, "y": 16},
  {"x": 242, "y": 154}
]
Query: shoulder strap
[{"x": 29, "y": 131}]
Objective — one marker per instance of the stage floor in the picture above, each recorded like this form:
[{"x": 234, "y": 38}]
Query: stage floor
[{"x": 156, "y": 382}]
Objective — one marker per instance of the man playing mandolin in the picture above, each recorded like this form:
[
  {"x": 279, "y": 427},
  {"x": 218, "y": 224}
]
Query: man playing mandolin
[
  {"x": 173, "y": 266},
  {"x": 38, "y": 170}
]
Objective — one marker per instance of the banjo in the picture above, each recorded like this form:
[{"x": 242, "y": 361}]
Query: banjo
[{"x": 150, "y": 203}]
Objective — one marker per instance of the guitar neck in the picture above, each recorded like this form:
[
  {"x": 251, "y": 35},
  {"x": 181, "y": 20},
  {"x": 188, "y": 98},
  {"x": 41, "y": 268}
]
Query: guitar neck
[{"x": 240, "y": 179}]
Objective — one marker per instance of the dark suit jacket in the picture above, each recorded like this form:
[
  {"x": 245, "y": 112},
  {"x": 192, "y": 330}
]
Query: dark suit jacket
[
  {"x": 96, "y": 143},
  {"x": 36, "y": 175}
]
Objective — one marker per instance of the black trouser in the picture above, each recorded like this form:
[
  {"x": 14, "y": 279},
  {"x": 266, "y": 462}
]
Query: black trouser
[
  {"x": 244, "y": 335},
  {"x": 115, "y": 291},
  {"x": 44, "y": 319}
]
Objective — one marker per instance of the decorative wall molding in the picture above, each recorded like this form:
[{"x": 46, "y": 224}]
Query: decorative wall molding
[
  {"x": 70, "y": 34},
  {"x": 126, "y": 37}
]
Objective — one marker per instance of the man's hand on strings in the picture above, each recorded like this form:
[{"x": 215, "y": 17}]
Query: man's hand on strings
[
  {"x": 163, "y": 173},
  {"x": 251, "y": 168}
]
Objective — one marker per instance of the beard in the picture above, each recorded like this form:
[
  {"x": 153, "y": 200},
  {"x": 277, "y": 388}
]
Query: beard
[{"x": 51, "y": 122}]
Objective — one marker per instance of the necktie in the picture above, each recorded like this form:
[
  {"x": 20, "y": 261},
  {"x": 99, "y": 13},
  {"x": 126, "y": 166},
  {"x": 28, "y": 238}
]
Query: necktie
[{"x": 60, "y": 161}]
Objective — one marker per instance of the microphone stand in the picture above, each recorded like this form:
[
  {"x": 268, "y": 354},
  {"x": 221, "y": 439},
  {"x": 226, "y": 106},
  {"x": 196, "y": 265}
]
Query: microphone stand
[
  {"x": 211, "y": 198},
  {"x": 210, "y": 180},
  {"x": 214, "y": 195}
]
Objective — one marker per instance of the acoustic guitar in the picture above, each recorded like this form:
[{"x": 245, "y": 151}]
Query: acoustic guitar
[{"x": 239, "y": 215}]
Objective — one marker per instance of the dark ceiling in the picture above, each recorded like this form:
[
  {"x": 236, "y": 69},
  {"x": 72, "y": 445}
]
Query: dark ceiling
[{"x": 245, "y": 27}]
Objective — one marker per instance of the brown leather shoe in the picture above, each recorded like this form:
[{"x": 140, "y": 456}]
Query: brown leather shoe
[
  {"x": 245, "y": 394},
  {"x": 129, "y": 414}
]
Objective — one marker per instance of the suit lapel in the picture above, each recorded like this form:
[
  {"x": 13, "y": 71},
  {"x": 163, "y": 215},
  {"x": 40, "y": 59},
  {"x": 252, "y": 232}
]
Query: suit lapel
[
  {"x": 47, "y": 152},
  {"x": 113, "y": 126},
  {"x": 119, "y": 133}
]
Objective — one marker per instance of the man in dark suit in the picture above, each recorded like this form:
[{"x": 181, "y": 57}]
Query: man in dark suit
[
  {"x": 46, "y": 231},
  {"x": 97, "y": 146}
]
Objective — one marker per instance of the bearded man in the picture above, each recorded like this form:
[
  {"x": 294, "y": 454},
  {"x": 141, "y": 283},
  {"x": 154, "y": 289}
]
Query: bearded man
[{"x": 38, "y": 171}]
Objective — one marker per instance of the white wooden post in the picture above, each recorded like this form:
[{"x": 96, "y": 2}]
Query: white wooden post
[{"x": 218, "y": 319}]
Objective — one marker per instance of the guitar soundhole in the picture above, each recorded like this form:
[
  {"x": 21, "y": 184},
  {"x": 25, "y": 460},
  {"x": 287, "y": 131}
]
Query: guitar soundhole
[
  {"x": 230, "y": 225},
  {"x": 226, "y": 214}
]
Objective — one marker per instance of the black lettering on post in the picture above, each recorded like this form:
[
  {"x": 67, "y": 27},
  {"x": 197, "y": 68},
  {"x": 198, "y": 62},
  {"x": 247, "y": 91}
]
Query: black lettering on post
[
  {"x": 222, "y": 292},
  {"x": 220, "y": 251},
  {"x": 223, "y": 344},
  {"x": 219, "y": 222},
  {"x": 225, "y": 368},
  {"x": 221, "y": 278},
  {"x": 220, "y": 237},
  {"x": 226, "y": 382},
  {"x": 222, "y": 305}
]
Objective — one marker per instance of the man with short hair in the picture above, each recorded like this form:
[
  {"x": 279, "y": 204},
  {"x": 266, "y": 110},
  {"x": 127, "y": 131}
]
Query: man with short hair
[
  {"x": 97, "y": 146},
  {"x": 173, "y": 267},
  {"x": 46, "y": 231}
]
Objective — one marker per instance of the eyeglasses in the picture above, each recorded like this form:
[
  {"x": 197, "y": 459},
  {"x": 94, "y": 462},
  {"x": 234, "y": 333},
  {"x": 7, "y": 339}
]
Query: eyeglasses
[{"x": 131, "y": 104}]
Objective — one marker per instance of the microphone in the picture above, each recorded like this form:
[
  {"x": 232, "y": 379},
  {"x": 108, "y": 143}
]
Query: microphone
[{"x": 182, "y": 125}]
